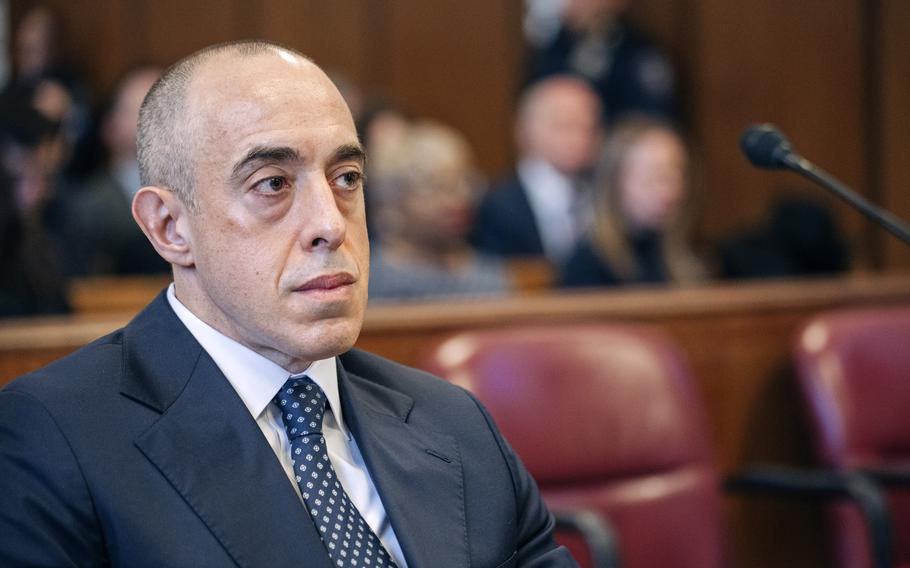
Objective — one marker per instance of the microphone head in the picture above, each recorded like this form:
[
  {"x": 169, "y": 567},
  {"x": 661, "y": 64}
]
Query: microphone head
[{"x": 766, "y": 146}]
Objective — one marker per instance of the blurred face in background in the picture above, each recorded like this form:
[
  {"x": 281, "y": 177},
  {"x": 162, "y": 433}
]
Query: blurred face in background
[
  {"x": 559, "y": 123},
  {"x": 582, "y": 15},
  {"x": 440, "y": 207},
  {"x": 427, "y": 187},
  {"x": 35, "y": 42},
  {"x": 119, "y": 130},
  {"x": 653, "y": 180},
  {"x": 30, "y": 155},
  {"x": 29, "y": 168}
]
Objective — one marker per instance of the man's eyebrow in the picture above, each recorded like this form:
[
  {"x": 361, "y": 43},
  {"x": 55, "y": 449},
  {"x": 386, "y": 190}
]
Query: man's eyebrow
[
  {"x": 266, "y": 154},
  {"x": 348, "y": 152}
]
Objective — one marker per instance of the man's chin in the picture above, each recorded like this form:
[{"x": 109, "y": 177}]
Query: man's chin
[
  {"x": 344, "y": 302},
  {"x": 325, "y": 338}
]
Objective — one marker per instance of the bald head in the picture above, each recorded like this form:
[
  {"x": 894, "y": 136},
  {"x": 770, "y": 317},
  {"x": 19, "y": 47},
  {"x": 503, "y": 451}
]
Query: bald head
[{"x": 166, "y": 140}]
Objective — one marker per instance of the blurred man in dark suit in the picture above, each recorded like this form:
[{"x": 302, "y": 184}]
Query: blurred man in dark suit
[
  {"x": 593, "y": 39},
  {"x": 541, "y": 210},
  {"x": 104, "y": 238}
]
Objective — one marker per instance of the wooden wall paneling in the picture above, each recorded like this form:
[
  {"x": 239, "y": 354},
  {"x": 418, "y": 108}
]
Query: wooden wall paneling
[
  {"x": 458, "y": 61},
  {"x": 872, "y": 144},
  {"x": 797, "y": 64},
  {"x": 894, "y": 120},
  {"x": 93, "y": 30},
  {"x": 176, "y": 28},
  {"x": 100, "y": 38},
  {"x": 332, "y": 33},
  {"x": 378, "y": 63},
  {"x": 660, "y": 20}
]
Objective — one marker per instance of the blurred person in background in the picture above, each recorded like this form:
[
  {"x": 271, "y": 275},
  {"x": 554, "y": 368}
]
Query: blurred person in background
[
  {"x": 590, "y": 38},
  {"x": 381, "y": 124},
  {"x": 30, "y": 275},
  {"x": 641, "y": 207},
  {"x": 42, "y": 75},
  {"x": 104, "y": 238},
  {"x": 424, "y": 186},
  {"x": 540, "y": 211},
  {"x": 800, "y": 237}
]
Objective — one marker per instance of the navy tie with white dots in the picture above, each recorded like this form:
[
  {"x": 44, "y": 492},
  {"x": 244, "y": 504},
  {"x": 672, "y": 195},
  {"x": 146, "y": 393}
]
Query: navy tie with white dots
[{"x": 348, "y": 539}]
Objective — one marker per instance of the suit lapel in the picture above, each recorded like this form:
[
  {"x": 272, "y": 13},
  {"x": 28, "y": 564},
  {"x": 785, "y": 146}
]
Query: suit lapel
[
  {"x": 211, "y": 450},
  {"x": 417, "y": 472},
  {"x": 524, "y": 217}
]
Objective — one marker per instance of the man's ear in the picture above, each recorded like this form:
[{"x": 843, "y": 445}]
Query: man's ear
[{"x": 164, "y": 219}]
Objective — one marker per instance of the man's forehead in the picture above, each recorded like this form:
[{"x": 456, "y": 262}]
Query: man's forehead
[
  {"x": 235, "y": 71},
  {"x": 253, "y": 86},
  {"x": 260, "y": 104},
  {"x": 560, "y": 94}
]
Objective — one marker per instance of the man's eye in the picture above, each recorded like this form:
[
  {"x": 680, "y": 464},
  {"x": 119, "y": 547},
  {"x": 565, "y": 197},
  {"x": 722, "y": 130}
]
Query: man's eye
[
  {"x": 272, "y": 184},
  {"x": 350, "y": 180}
]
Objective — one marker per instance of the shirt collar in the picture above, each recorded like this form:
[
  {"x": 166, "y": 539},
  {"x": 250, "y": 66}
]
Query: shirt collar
[
  {"x": 256, "y": 378},
  {"x": 548, "y": 188}
]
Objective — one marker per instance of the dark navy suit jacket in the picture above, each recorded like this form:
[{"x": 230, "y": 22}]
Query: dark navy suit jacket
[
  {"x": 136, "y": 451},
  {"x": 505, "y": 224}
]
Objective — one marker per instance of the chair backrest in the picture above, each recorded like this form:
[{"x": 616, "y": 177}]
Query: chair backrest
[
  {"x": 853, "y": 368},
  {"x": 604, "y": 417}
]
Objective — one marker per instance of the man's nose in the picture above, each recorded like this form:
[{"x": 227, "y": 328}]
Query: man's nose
[{"x": 322, "y": 221}]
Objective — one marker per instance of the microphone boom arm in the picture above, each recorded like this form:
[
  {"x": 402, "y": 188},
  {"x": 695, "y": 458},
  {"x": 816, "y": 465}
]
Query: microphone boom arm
[{"x": 809, "y": 170}]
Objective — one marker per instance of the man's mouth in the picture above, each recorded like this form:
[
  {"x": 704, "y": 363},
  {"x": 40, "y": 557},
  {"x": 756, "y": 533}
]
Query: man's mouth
[{"x": 327, "y": 282}]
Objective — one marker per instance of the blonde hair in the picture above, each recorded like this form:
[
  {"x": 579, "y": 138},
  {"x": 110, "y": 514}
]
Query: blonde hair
[
  {"x": 412, "y": 159},
  {"x": 611, "y": 231}
]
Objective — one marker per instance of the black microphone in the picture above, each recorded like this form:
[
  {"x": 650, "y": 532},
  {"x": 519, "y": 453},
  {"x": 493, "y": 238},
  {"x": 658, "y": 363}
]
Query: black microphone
[
  {"x": 768, "y": 148},
  {"x": 765, "y": 146}
]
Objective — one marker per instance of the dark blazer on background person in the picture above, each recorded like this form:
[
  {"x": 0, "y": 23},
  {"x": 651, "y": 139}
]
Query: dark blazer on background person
[
  {"x": 505, "y": 224},
  {"x": 586, "y": 268},
  {"x": 148, "y": 457},
  {"x": 636, "y": 78},
  {"x": 102, "y": 236}
]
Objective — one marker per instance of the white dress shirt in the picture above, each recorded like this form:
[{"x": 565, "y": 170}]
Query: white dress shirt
[
  {"x": 257, "y": 380},
  {"x": 554, "y": 200}
]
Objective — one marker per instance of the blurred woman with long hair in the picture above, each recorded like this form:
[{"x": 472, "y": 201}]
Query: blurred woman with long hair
[{"x": 641, "y": 211}]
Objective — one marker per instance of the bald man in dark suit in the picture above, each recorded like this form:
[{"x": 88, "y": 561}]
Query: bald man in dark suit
[{"x": 231, "y": 423}]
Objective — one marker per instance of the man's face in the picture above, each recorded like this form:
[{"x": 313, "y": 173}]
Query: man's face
[
  {"x": 280, "y": 256},
  {"x": 563, "y": 128}
]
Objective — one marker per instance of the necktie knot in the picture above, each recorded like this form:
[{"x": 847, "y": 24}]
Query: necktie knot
[{"x": 302, "y": 405}]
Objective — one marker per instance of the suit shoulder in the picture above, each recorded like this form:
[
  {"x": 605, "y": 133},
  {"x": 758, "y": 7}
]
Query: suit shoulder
[
  {"x": 504, "y": 193},
  {"x": 397, "y": 376},
  {"x": 76, "y": 372}
]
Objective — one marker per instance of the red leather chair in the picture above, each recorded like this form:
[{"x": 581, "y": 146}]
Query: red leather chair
[
  {"x": 605, "y": 418},
  {"x": 854, "y": 371}
]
